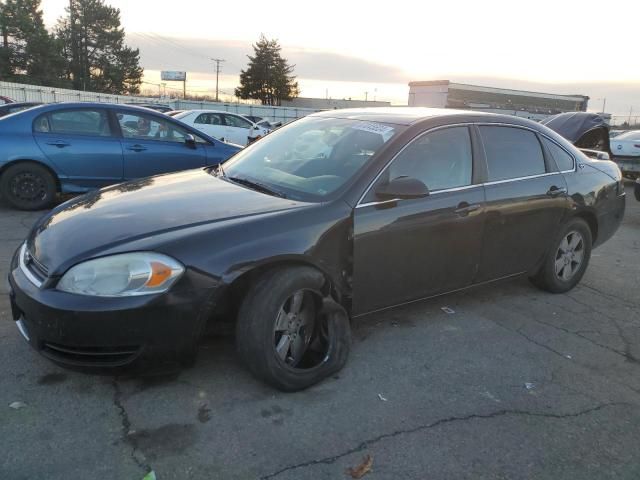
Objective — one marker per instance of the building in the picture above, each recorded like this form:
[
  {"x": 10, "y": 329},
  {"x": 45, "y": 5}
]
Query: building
[
  {"x": 533, "y": 105},
  {"x": 331, "y": 103}
]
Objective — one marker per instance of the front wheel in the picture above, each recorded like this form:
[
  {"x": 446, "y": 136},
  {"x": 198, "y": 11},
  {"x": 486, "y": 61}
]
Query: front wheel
[
  {"x": 290, "y": 335},
  {"x": 28, "y": 186},
  {"x": 567, "y": 260}
]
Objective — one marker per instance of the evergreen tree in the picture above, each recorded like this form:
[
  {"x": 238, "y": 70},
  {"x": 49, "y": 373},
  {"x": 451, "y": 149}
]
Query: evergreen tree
[
  {"x": 97, "y": 57},
  {"x": 268, "y": 76},
  {"x": 28, "y": 53}
]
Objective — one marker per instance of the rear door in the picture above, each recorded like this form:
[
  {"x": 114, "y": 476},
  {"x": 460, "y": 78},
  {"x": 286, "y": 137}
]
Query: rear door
[
  {"x": 239, "y": 129},
  {"x": 80, "y": 142},
  {"x": 413, "y": 248},
  {"x": 152, "y": 145},
  {"x": 526, "y": 199}
]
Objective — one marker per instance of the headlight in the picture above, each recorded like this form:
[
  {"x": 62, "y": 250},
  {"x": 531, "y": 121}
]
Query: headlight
[{"x": 124, "y": 275}]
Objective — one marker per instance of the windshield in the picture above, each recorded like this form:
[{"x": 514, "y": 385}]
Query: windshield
[{"x": 310, "y": 158}]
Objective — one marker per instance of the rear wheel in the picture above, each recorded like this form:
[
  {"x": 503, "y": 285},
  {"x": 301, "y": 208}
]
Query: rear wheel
[
  {"x": 568, "y": 260},
  {"x": 28, "y": 186},
  {"x": 288, "y": 334}
]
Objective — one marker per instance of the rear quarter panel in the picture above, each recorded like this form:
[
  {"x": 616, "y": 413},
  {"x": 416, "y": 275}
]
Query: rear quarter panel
[{"x": 594, "y": 191}]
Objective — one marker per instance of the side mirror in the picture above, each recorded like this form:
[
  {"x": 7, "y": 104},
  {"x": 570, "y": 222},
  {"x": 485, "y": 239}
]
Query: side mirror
[
  {"x": 256, "y": 127},
  {"x": 403, "y": 188},
  {"x": 190, "y": 140}
]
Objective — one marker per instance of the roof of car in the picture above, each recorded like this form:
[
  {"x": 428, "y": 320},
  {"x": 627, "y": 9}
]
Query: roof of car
[{"x": 398, "y": 115}]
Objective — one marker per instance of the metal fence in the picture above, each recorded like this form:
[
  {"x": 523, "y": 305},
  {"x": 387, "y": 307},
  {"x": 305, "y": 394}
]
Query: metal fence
[{"x": 21, "y": 92}]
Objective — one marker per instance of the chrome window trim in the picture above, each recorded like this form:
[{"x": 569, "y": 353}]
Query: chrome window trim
[
  {"x": 495, "y": 182},
  {"x": 25, "y": 270},
  {"x": 517, "y": 179}
]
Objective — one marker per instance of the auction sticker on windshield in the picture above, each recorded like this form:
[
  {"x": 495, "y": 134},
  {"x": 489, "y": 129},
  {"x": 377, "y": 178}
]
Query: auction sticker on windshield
[{"x": 385, "y": 130}]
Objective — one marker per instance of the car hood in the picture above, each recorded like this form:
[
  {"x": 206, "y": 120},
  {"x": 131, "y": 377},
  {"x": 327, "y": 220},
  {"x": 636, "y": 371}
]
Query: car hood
[{"x": 101, "y": 220}]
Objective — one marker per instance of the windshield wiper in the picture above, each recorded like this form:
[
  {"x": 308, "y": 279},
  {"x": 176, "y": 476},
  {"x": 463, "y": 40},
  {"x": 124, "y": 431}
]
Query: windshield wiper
[{"x": 261, "y": 187}]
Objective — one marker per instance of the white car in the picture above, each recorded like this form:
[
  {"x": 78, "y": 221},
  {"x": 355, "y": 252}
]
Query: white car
[
  {"x": 626, "y": 144},
  {"x": 225, "y": 126}
]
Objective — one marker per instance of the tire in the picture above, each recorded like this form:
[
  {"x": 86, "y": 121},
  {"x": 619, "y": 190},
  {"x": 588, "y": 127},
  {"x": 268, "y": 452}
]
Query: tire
[
  {"x": 566, "y": 263},
  {"x": 266, "y": 330},
  {"x": 636, "y": 190},
  {"x": 28, "y": 186}
]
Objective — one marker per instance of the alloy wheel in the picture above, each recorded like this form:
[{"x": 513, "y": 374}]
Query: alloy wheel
[
  {"x": 294, "y": 328},
  {"x": 569, "y": 256}
]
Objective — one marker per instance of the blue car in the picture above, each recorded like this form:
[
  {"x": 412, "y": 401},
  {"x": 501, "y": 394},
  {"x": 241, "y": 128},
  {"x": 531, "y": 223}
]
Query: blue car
[{"x": 77, "y": 147}]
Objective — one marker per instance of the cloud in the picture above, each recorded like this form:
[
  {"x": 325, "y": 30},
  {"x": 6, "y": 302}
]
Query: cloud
[{"x": 194, "y": 55}]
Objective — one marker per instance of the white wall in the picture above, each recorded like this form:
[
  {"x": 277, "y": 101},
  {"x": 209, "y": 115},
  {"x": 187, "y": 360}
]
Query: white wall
[
  {"x": 34, "y": 93},
  {"x": 428, "y": 95}
]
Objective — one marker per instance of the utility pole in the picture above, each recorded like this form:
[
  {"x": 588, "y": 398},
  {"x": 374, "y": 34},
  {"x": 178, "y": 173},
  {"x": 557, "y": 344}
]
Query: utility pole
[
  {"x": 218, "y": 62},
  {"x": 630, "y": 112},
  {"x": 366, "y": 96},
  {"x": 604, "y": 104}
]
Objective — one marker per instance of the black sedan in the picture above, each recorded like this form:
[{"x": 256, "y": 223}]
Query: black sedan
[{"x": 332, "y": 217}]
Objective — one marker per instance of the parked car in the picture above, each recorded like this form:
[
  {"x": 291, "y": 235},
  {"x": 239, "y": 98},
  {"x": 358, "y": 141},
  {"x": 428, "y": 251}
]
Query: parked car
[
  {"x": 263, "y": 122},
  {"x": 9, "y": 108},
  {"x": 397, "y": 205},
  {"x": 223, "y": 125},
  {"x": 76, "y": 147},
  {"x": 158, "y": 107},
  {"x": 590, "y": 132},
  {"x": 587, "y": 131},
  {"x": 627, "y": 144}
]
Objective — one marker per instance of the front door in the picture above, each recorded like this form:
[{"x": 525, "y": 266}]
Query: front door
[
  {"x": 79, "y": 142},
  {"x": 526, "y": 201},
  {"x": 154, "y": 145},
  {"x": 410, "y": 249}
]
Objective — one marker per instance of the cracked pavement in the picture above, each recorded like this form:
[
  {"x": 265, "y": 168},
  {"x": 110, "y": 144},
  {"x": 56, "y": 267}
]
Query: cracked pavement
[{"x": 516, "y": 384}]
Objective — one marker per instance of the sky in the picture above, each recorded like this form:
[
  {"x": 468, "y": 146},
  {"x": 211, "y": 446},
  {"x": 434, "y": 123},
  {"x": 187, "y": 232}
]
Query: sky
[{"x": 353, "y": 49}]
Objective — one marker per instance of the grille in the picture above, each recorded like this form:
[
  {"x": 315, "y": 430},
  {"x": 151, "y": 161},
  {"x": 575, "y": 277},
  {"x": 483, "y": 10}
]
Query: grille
[
  {"x": 33, "y": 269},
  {"x": 91, "y": 356},
  {"x": 37, "y": 268}
]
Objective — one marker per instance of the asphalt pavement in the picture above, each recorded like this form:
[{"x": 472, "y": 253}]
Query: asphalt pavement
[{"x": 516, "y": 383}]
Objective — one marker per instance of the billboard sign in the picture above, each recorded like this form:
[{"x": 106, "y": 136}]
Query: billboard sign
[{"x": 173, "y": 76}]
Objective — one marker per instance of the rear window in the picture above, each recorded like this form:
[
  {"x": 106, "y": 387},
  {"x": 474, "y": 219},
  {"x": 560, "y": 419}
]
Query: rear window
[
  {"x": 563, "y": 160},
  {"x": 511, "y": 152}
]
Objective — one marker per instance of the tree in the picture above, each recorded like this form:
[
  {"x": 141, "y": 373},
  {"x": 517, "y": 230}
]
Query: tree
[
  {"x": 28, "y": 52},
  {"x": 268, "y": 76},
  {"x": 96, "y": 54}
]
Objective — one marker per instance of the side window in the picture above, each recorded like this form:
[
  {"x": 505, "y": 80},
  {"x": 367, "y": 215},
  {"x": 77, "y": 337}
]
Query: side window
[
  {"x": 76, "y": 122},
  {"x": 209, "y": 119},
  {"x": 512, "y": 152},
  {"x": 564, "y": 161},
  {"x": 234, "y": 121},
  {"x": 441, "y": 159},
  {"x": 148, "y": 127}
]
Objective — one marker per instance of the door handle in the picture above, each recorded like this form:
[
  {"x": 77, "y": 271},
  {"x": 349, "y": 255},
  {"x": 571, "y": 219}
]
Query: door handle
[
  {"x": 59, "y": 143},
  {"x": 465, "y": 209},
  {"x": 137, "y": 148},
  {"x": 556, "y": 191}
]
